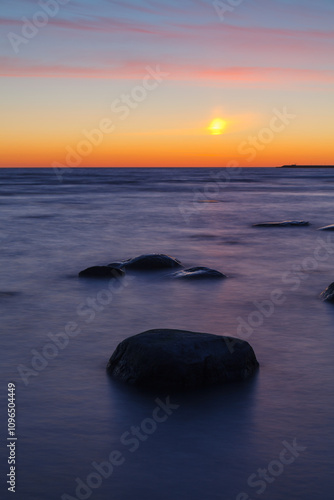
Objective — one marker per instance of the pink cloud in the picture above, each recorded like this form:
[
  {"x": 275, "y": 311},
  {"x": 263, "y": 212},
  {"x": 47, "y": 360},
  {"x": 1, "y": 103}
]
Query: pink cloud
[
  {"x": 96, "y": 24},
  {"x": 137, "y": 69},
  {"x": 283, "y": 43},
  {"x": 9, "y": 22},
  {"x": 263, "y": 40},
  {"x": 266, "y": 75}
]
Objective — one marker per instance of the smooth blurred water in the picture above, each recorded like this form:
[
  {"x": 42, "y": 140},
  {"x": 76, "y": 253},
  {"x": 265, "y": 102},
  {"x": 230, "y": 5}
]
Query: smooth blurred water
[{"x": 71, "y": 414}]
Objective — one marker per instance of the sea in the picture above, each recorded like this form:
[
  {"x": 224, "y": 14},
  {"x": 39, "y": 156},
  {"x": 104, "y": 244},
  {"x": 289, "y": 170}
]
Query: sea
[{"x": 80, "y": 434}]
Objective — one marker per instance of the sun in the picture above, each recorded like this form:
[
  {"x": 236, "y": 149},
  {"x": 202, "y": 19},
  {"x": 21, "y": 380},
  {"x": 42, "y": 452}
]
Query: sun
[{"x": 217, "y": 126}]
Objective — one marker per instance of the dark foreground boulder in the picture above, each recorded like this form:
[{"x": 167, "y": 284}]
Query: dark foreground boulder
[
  {"x": 328, "y": 294},
  {"x": 327, "y": 228},
  {"x": 285, "y": 223},
  {"x": 101, "y": 272},
  {"x": 198, "y": 273},
  {"x": 148, "y": 262},
  {"x": 178, "y": 359}
]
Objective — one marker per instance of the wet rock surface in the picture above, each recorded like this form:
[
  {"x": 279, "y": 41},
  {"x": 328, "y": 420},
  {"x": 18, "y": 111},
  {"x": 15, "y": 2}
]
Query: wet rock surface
[
  {"x": 328, "y": 294},
  {"x": 285, "y": 223},
  {"x": 198, "y": 273},
  {"x": 179, "y": 359},
  {"x": 101, "y": 272},
  {"x": 148, "y": 262}
]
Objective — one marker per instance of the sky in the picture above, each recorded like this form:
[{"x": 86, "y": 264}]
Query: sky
[{"x": 159, "y": 83}]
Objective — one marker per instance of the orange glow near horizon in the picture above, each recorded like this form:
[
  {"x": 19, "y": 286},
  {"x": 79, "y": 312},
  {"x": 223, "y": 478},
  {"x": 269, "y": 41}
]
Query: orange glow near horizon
[
  {"x": 130, "y": 150},
  {"x": 162, "y": 137}
]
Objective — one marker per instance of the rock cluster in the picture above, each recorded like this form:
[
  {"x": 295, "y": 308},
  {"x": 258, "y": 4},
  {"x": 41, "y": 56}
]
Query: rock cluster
[{"x": 149, "y": 263}]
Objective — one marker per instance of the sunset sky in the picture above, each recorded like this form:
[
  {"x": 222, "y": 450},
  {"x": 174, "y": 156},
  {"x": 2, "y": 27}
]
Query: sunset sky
[{"x": 166, "y": 83}]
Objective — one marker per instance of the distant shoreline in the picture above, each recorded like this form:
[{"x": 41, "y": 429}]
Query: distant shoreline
[{"x": 306, "y": 166}]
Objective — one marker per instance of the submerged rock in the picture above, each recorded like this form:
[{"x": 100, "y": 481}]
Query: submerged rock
[
  {"x": 101, "y": 272},
  {"x": 285, "y": 223},
  {"x": 198, "y": 273},
  {"x": 148, "y": 262},
  {"x": 327, "y": 228},
  {"x": 179, "y": 359},
  {"x": 328, "y": 294}
]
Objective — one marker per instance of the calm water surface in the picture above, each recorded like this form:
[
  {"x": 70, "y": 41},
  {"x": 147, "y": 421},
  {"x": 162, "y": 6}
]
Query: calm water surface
[{"x": 70, "y": 414}]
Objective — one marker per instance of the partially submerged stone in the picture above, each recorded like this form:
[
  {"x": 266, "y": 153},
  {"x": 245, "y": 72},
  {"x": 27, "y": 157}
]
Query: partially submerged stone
[
  {"x": 179, "y": 359},
  {"x": 148, "y": 262},
  {"x": 285, "y": 223},
  {"x": 100, "y": 272},
  {"x": 328, "y": 294},
  {"x": 327, "y": 228},
  {"x": 198, "y": 273}
]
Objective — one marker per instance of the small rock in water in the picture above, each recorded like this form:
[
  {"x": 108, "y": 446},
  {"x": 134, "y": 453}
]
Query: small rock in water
[
  {"x": 101, "y": 272},
  {"x": 148, "y": 262},
  {"x": 197, "y": 273},
  {"x": 179, "y": 359},
  {"x": 328, "y": 294},
  {"x": 327, "y": 228},
  {"x": 285, "y": 223}
]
